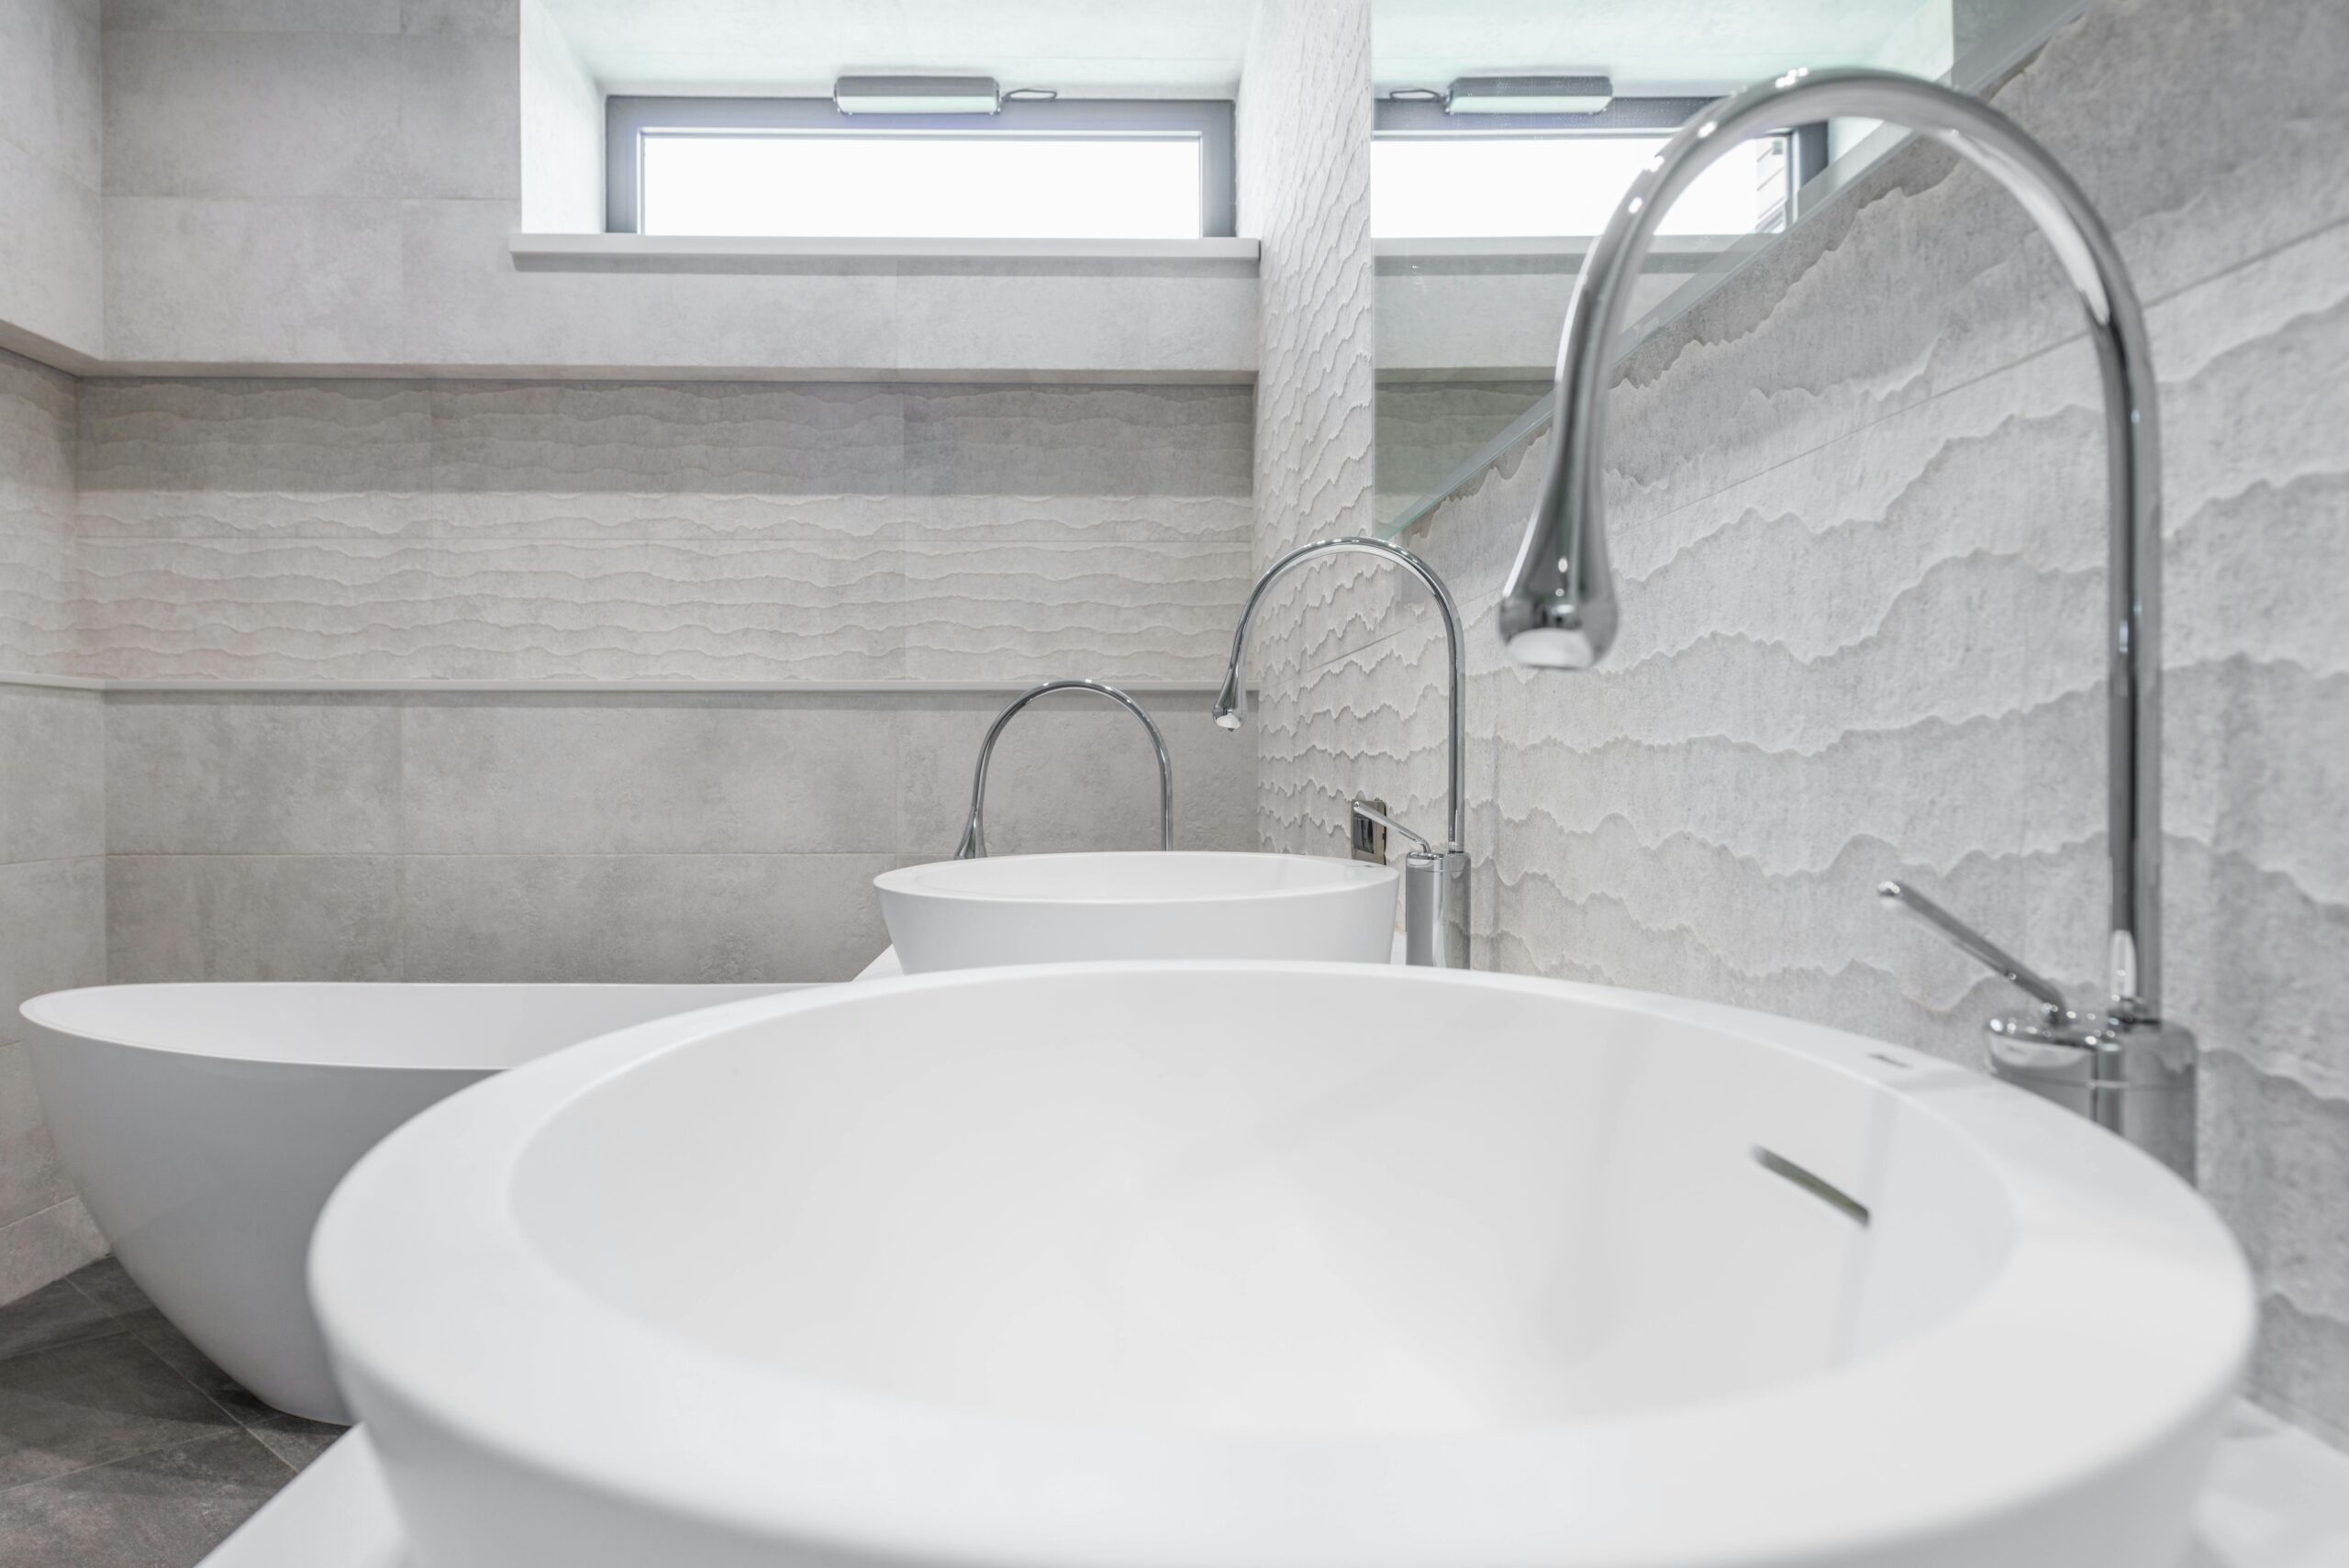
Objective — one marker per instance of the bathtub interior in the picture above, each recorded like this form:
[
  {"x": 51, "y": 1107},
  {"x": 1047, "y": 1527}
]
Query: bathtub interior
[
  {"x": 350, "y": 1024},
  {"x": 1485, "y": 1211}
]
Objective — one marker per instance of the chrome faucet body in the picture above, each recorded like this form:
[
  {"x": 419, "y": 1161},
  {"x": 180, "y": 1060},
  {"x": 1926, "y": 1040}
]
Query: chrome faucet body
[
  {"x": 2123, "y": 1065},
  {"x": 1435, "y": 876},
  {"x": 974, "y": 833}
]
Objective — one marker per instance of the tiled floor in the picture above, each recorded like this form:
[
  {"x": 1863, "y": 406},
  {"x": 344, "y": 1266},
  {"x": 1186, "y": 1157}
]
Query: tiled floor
[{"x": 121, "y": 1445}]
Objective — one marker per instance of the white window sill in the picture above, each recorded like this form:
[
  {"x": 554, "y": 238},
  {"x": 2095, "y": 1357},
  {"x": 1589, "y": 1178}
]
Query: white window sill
[{"x": 657, "y": 252}]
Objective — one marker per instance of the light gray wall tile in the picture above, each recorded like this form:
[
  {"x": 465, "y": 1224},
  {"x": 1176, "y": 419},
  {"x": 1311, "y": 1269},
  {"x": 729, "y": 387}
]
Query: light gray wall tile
[
  {"x": 47, "y": 1246},
  {"x": 252, "y": 917},
  {"x": 1106, "y": 610},
  {"x": 473, "y": 18},
  {"x": 31, "y": 1177},
  {"x": 458, "y": 118},
  {"x": 641, "y": 917},
  {"x": 309, "y": 608},
  {"x": 53, "y": 914},
  {"x": 277, "y": 117},
  {"x": 467, "y": 304},
  {"x": 713, "y": 438},
  {"x": 1078, "y": 440},
  {"x": 49, "y": 85},
  {"x": 623, "y": 775},
  {"x": 50, "y": 250},
  {"x": 227, "y": 456},
  {"x": 52, "y": 775},
  {"x": 252, "y": 775},
  {"x": 289, "y": 282},
  {"x": 1051, "y": 321},
  {"x": 1072, "y": 772},
  {"x": 254, "y": 15}
]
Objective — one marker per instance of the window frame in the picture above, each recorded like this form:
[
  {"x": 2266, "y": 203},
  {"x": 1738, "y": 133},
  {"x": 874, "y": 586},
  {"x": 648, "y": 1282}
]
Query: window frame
[{"x": 626, "y": 119}]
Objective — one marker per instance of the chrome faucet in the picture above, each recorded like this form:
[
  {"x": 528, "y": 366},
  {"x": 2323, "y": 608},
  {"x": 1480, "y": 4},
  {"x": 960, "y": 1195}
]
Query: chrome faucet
[
  {"x": 1435, "y": 876},
  {"x": 2120, "y": 1064},
  {"x": 975, "y": 832}
]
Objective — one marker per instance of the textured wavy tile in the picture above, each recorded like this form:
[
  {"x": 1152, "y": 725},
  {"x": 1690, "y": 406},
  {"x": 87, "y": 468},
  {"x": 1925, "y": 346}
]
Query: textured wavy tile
[
  {"x": 1859, "y": 532},
  {"x": 314, "y": 608},
  {"x": 1304, "y": 146},
  {"x": 1140, "y": 611}
]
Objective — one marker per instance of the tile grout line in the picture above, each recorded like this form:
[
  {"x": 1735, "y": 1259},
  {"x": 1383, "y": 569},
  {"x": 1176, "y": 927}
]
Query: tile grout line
[
  {"x": 236, "y": 1423},
  {"x": 143, "y": 1453}
]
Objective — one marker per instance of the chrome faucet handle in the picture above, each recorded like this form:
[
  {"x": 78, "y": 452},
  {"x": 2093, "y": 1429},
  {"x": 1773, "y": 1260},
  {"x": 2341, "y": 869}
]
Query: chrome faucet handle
[
  {"x": 1435, "y": 876},
  {"x": 1981, "y": 949},
  {"x": 1370, "y": 811}
]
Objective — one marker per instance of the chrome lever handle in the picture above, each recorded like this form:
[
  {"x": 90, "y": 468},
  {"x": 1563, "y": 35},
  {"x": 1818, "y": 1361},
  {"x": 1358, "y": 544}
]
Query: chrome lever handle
[
  {"x": 1363, "y": 809},
  {"x": 1979, "y": 947}
]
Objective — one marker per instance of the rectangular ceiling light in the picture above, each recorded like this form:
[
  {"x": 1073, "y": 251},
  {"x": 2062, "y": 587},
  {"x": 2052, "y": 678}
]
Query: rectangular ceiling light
[
  {"x": 1529, "y": 95},
  {"x": 917, "y": 95}
]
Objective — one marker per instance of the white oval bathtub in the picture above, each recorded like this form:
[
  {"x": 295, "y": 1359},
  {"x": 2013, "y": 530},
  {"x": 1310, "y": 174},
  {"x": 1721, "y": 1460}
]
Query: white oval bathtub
[{"x": 203, "y": 1124}]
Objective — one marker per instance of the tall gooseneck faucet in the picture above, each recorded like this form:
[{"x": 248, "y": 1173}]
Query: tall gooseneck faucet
[
  {"x": 1435, "y": 876},
  {"x": 1559, "y": 611},
  {"x": 975, "y": 830}
]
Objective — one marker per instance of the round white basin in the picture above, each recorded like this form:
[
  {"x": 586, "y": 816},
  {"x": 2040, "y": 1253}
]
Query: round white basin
[
  {"x": 1009, "y": 910},
  {"x": 1228, "y": 1265}
]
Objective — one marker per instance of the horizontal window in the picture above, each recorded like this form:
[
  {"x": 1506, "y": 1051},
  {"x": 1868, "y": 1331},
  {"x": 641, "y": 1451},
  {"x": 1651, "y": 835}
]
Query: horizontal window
[
  {"x": 1071, "y": 170},
  {"x": 1460, "y": 185}
]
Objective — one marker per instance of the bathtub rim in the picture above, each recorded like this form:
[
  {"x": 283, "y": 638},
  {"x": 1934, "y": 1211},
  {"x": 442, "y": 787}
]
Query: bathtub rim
[{"x": 41, "y": 1012}]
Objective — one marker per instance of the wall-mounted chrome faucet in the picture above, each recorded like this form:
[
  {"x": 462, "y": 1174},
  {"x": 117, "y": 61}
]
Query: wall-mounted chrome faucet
[
  {"x": 2121, "y": 1064},
  {"x": 974, "y": 831},
  {"x": 1435, "y": 876}
]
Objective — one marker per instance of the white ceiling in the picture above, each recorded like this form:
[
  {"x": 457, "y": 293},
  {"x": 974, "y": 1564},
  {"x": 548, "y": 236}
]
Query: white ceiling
[
  {"x": 1079, "y": 46},
  {"x": 1648, "y": 46}
]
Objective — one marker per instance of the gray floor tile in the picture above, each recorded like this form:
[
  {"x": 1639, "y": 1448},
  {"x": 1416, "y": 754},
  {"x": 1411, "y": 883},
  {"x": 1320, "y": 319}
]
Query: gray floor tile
[
  {"x": 56, "y": 1314},
  {"x": 290, "y": 1437},
  {"x": 93, "y": 1401},
  {"x": 164, "y": 1510},
  {"x": 293, "y": 1438},
  {"x": 108, "y": 1284}
]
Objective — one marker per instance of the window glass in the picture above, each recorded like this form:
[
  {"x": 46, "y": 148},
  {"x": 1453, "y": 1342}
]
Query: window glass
[
  {"x": 1463, "y": 186},
  {"x": 909, "y": 184}
]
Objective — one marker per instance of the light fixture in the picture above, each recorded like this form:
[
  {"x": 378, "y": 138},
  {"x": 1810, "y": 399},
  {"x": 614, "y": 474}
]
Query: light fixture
[
  {"x": 1529, "y": 95},
  {"x": 917, "y": 95}
]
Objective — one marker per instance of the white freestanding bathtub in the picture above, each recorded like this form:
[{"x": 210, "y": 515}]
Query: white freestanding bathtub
[
  {"x": 1207, "y": 1265},
  {"x": 205, "y": 1126}
]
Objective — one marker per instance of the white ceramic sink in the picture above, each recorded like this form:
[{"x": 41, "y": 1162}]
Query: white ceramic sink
[
  {"x": 1268, "y": 1266},
  {"x": 1008, "y": 909}
]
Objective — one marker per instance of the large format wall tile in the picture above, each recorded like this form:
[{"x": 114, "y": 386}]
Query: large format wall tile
[
  {"x": 1858, "y": 520},
  {"x": 51, "y": 159},
  {"x": 52, "y": 798},
  {"x": 251, "y": 774},
  {"x": 713, "y": 918},
  {"x": 660, "y": 775},
  {"x": 203, "y": 917},
  {"x": 621, "y": 835},
  {"x": 1072, "y": 772}
]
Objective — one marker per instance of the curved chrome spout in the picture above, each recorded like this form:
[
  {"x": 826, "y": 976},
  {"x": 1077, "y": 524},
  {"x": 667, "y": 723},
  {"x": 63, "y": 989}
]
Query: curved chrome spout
[
  {"x": 975, "y": 832},
  {"x": 1231, "y": 702},
  {"x": 1558, "y": 609}
]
